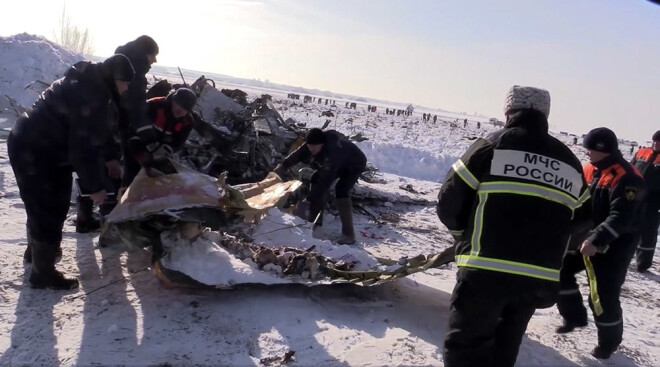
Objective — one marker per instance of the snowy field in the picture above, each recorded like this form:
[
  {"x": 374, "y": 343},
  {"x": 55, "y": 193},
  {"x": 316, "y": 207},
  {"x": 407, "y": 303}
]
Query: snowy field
[{"x": 122, "y": 315}]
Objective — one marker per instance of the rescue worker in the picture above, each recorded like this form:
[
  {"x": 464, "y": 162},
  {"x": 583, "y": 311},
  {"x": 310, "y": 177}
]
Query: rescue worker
[
  {"x": 509, "y": 202},
  {"x": 617, "y": 196},
  {"x": 142, "y": 53},
  {"x": 172, "y": 120},
  {"x": 647, "y": 161},
  {"x": 333, "y": 157},
  {"x": 133, "y": 117},
  {"x": 65, "y": 131}
]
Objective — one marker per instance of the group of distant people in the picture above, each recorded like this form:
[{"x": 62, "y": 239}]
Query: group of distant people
[
  {"x": 527, "y": 216},
  {"x": 88, "y": 121}
]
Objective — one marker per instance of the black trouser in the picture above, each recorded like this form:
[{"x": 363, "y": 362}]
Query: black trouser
[
  {"x": 46, "y": 193},
  {"x": 610, "y": 271},
  {"x": 648, "y": 236},
  {"x": 347, "y": 179},
  {"x": 488, "y": 317}
]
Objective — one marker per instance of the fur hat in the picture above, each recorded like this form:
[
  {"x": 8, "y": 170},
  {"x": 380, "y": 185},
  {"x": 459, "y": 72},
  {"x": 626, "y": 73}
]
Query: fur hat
[
  {"x": 315, "y": 136},
  {"x": 656, "y": 136},
  {"x": 519, "y": 98},
  {"x": 601, "y": 139},
  {"x": 119, "y": 67}
]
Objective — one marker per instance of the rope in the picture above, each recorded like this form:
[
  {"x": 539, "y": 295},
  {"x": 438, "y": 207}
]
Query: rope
[{"x": 123, "y": 278}]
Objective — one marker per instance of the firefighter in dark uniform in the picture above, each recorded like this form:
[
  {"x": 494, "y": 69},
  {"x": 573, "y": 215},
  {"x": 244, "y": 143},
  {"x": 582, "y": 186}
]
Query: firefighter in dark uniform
[
  {"x": 334, "y": 157},
  {"x": 647, "y": 161},
  {"x": 510, "y": 202},
  {"x": 172, "y": 120},
  {"x": 617, "y": 196},
  {"x": 65, "y": 131}
]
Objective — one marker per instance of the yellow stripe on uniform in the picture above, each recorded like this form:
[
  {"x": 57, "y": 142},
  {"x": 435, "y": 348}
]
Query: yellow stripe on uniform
[
  {"x": 464, "y": 173},
  {"x": 593, "y": 286},
  {"x": 510, "y": 267}
]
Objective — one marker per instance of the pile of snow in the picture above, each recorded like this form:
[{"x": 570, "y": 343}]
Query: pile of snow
[
  {"x": 409, "y": 162},
  {"x": 26, "y": 58}
]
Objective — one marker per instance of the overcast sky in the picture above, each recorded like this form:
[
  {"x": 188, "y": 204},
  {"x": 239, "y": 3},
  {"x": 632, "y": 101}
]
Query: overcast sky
[{"x": 600, "y": 59}]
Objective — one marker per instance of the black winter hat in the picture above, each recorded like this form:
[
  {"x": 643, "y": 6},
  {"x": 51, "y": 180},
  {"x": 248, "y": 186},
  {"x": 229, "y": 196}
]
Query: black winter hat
[
  {"x": 185, "y": 98},
  {"x": 119, "y": 67},
  {"x": 315, "y": 136},
  {"x": 601, "y": 139},
  {"x": 147, "y": 44},
  {"x": 656, "y": 136}
]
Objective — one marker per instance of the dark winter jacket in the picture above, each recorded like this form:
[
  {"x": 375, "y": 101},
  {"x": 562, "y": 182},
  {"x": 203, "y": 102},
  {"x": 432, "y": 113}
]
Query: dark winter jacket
[
  {"x": 70, "y": 125},
  {"x": 617, "y": 196},
  {"x": 169, "y": 130},
  {"x": 337, "y": 156},
  {"x": 512, "y": 200},
  {"x": 647, "y": 163},
  {"x": 133, "y": 116}
]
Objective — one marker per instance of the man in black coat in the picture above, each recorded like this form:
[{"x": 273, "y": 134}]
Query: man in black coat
[
  {"x": 647, "y": 161},
  {"x": 65, "y": 131},
  {"x": 510, "y": 202},
  {"x": 133, "y": 118},
  {"x": 334, "y": 157},
  {"x": 617, "y": 193}
]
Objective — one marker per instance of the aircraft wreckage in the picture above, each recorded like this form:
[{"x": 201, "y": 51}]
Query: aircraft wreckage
[{"x": 202, "y": 218}]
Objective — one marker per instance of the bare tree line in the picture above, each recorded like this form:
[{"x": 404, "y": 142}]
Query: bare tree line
[{"x": 69, "y": 36}]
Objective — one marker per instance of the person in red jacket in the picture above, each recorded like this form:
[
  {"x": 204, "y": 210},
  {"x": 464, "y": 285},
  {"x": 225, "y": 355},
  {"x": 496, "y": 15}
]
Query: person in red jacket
[
  {"x": 647, "y": 161},
  {"x": 617, "y": 195},
  {"x": 172, "y": 121}
]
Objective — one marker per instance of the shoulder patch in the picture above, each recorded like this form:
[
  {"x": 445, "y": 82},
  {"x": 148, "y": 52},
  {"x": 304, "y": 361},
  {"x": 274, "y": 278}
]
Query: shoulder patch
[{"x": 631, "y": 193}]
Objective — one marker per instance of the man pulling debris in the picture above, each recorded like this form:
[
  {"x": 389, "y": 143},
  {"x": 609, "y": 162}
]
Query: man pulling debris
[
  {"x": 172, "y": 121},
  {"x": 65, "y": 131},
  {"x": 333, "y": 157}
]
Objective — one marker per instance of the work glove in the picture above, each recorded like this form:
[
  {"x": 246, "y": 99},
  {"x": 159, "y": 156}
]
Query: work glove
[{"x": 163, "y": 151}]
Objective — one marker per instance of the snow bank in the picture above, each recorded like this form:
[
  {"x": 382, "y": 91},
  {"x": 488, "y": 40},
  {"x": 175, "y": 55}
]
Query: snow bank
[
  {"x": 408, "y": 162},
  {"x": 26, "y": 58}
]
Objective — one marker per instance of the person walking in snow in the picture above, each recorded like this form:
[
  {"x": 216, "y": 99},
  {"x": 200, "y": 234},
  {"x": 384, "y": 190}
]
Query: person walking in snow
[
  {"x": 172, "y": 120},
  {"x": 333, "y": 156},
  {"x": 617, "y": 196},
  {"x": 647, "y": 161},
  {"x": 496, "y": 200},
  {"x": 65, "y": 131}
]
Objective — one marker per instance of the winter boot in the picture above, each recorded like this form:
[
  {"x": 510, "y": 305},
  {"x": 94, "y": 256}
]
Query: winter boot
[
  {"x": 602, "y": 352},
  {"x": 27, "y": 255},
  {"x": 43, "y": 274},
  {"x": 569, "y": 326},
  {"x": 85, "y": 221},
  {"x": 345, "y": 208}
]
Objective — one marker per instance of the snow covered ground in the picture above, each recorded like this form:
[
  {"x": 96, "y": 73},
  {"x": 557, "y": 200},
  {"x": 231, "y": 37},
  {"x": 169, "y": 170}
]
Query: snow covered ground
[{"x": 123, "y": 315}]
